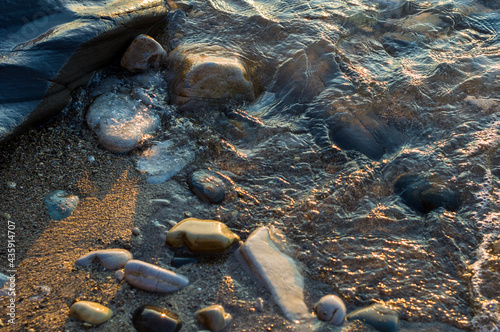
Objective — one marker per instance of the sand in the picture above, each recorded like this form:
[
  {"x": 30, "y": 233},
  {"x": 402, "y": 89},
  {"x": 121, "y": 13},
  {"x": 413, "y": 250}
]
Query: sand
[{"x": 114, "y": 198}]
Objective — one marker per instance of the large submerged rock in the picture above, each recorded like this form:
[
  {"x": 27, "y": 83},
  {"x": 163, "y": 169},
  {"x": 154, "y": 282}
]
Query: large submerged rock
[
  {"x": 50, "y": 48},
  {"x": 207, "y": 77},
  {"x": 266, "y": 258}
]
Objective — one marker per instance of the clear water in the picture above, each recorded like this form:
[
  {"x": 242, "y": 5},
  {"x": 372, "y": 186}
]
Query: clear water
[{"x": 353, "y": 94}]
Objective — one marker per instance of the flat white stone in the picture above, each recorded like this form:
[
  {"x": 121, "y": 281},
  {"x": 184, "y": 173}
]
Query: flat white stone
[{"x": 277, "y": 271}]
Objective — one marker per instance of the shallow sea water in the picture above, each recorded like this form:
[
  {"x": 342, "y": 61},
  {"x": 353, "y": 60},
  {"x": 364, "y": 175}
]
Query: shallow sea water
[{"x": 350, "y": 95}]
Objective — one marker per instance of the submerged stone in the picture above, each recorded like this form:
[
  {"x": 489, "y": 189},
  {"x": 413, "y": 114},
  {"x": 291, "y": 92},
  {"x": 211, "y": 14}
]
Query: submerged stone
[
  {"x": 120, "y": 122},
  {"x": 149, "y": 318},
  {"x": 202, "y": 236},
  {"x": 425, "y": 196},
  {"x": 378, "y": 316},
  {"x": 366, "y": 134},
  {"x": 277, "y": 271},
  {"x": 90, "y": 312},
  {"x": 213, "y": 317},
  {"x": 60, "y": 204},
  {"x": 207, "y": 186},
  {"x": 164, "y": 160},
  {"x": 202, "y": 78},
  {"x": 143, "y": 52}
]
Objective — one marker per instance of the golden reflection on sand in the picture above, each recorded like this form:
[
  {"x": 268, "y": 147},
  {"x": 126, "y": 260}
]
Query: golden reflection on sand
[{"x": 95, "y": 224}]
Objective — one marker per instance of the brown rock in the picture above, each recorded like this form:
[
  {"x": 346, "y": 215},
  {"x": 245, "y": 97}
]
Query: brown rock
[
  {"x": 144, "y": 52},
  {"x": 202, "y": 236}
]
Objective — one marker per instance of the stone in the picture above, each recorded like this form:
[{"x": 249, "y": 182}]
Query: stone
[
  {"x": 207, "y": 186},
  {"x": 377, "y": 316},
  {"x": 153, "y": 278},
  {"x": 150, "y": 318},
  {"x": 120, "y": 122},
  {"x": 207, "y": 78},
  {"x": 331, "y": 308},
  {"x": 164, "y": 160},
  {"x": 60, "y": 204},
  {"x": 90, "y": 312},
  {"x": 213, "y": 317},
  {"x": 144, "y": 52},
  {"x": 51, "y": 48},
  {"x": 367, "y": 134},
  {"x": 202, "y": 236},
  {"x": 424, "y": 196},
  {"x": 181, "y": 261},
  {"x": 267, "y": 259},
  {"x": 111, "y": 259}
]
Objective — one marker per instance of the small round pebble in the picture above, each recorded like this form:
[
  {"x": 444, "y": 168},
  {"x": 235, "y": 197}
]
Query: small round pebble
[
  {"x": 120, "y": 275},
  {"x": 331, "y": 309},
  {"x": 136, "y": 231},
  {"x": 11, "y": 185}
]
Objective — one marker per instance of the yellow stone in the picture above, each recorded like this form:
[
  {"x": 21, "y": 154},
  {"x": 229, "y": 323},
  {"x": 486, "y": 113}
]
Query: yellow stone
[{"x": 202, "y": 236}]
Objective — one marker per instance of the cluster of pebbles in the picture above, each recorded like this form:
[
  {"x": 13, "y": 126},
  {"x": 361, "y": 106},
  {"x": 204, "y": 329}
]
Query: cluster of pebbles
[{"x": 264, "y": 254}]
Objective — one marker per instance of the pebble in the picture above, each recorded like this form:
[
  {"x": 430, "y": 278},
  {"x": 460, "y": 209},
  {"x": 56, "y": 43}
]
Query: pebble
[
  {"x": 144, "y": 52},
  {"x": 60, "y": 204},
  {"x": 277, "y": 271},
  {"x": 149, "y": 318},
  {"x": 213, "y": 317},
  {"x": 120, "y": 275},
  {"x": 111, "y": 259},
  {"x": 11, "y": 185},
  {"x": 153, "y": 278},
  {"x": 136, "y": 231},
  {"x": 202, "y": 236},
  {"x": 90, "y": 312},
  {"x": 259, "y": 304},
  {"x": 425, "y": 196},
  {"x": 207, "y": 186},
  {"x": 377, "y": 316},
  {"x": 181, "y": 261},
  {"x": 331, "y": 308}
]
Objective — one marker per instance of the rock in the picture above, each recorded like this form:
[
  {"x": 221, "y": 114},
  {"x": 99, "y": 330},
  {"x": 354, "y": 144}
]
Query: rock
[
  {"x": 136, "y": 231},
  {"x": 149, "y": 318},
  {"x": 111, "y": 259},
  {"x": 164, "y": 160},
  {"x": 120, "y": 275},
  {"x": 202, "y": 236},
  {"x": 181, "y": 261},
  {"x": 378, "y": 316},
  {"x": 60, "y": 204},
  {"x": 213, "y": 317},
  {"x": 425, "y": 196},
  {"x": 331, "y": 308},
  {"x": 366, "y": 134},
  {"x": 90, "y": 312},
  {"x": 144, "y": 52},
  {"x": 51, "y": 48},
  {"x": 207, "y": 186},
  {"x": 202, "y": 78},
  {"x": 153, "y": 278},
  {"x": 278, "y": 272},
  {"x": 120, "y": 122}
]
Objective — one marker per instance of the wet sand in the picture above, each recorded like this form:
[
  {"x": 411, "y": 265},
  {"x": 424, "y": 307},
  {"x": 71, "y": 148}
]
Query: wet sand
[{"x": 115, "y": 198}]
